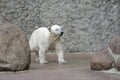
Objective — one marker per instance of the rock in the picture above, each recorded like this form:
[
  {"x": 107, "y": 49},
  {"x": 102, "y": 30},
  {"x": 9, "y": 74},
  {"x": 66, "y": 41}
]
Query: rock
[
  {"x": 14, "y": 48},
  {"x": 114, "y": 45},
  {"x": 101, "y": 60},
  {"x": 117, "y": 64}
]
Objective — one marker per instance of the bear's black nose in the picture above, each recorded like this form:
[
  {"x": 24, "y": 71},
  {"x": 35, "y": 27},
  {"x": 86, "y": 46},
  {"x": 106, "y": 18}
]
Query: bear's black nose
[{"x": 61, "y": 33}]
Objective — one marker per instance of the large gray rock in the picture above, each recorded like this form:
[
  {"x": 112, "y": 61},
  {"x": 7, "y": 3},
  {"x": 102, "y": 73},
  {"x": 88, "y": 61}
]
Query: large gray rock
[
  {"x": 117, "y": 64},
  {"x": 88, "y": 24},
  {"x": 14, "y": 48},
  {"x": 101, "y": 60},
  {"x": 114, "y": 45}
]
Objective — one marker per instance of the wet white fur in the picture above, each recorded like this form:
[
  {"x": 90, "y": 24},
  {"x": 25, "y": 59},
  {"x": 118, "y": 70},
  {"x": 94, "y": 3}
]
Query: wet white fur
[{"x": 39, "y": 42}]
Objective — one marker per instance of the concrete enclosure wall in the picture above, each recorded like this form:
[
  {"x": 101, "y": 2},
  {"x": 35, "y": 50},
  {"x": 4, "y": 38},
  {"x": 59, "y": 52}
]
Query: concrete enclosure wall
[{"x": 88, "y": 24}]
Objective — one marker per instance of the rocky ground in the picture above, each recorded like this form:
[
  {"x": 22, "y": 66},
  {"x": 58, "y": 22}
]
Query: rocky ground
[{"x": 77, "y": 68}]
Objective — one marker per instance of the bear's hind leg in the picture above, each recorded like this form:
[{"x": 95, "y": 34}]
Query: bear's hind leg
[
  {"x": 37, "y": 57},
  {"x": 42, "y": 59}
]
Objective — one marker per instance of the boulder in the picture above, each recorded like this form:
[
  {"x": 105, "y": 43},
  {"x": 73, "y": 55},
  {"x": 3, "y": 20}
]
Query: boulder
[
  {"x": 101, "y": 60},
  {"x": 14, "y": 48},
  {"x": 114, "y": 45},
  {"x": 117, "y": 64}
]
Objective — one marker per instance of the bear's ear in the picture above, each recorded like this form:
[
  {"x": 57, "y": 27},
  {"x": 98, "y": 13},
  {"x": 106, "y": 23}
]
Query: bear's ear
[{"x": 61, "y": 26}]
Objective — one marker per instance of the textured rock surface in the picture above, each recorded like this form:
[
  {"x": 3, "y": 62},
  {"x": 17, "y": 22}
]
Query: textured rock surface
[
  {"x": 14, "y": 49},
  {"x": 114, "y": 45},
  {"x": 88, "y": 24},
  {"x": 117, "y": 64},
  {"x": 101, "y": 60}
]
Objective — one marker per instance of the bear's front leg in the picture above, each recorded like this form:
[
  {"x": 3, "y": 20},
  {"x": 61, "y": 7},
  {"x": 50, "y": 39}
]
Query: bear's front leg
[
  {"x": 42, "y": 59},
  {"x": 60, "y": 54}
]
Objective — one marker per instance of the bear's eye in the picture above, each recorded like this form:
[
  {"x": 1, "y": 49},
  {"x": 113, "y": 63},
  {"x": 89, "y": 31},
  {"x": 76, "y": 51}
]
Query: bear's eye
[{"x": 57, "y": 29}]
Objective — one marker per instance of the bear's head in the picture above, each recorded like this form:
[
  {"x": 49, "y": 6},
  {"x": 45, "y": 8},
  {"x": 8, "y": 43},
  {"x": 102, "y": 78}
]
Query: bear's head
[{"x": 57, "y": 30}]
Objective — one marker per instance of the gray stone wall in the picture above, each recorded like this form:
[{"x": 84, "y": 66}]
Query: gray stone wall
[{"x": 88, "y": 24}]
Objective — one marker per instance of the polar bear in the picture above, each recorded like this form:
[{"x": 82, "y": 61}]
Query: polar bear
[{"x": 44, "y": 39}]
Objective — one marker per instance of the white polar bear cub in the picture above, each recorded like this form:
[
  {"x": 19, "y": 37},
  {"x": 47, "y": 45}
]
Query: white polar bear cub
[{"x": 44, "y": 39}]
